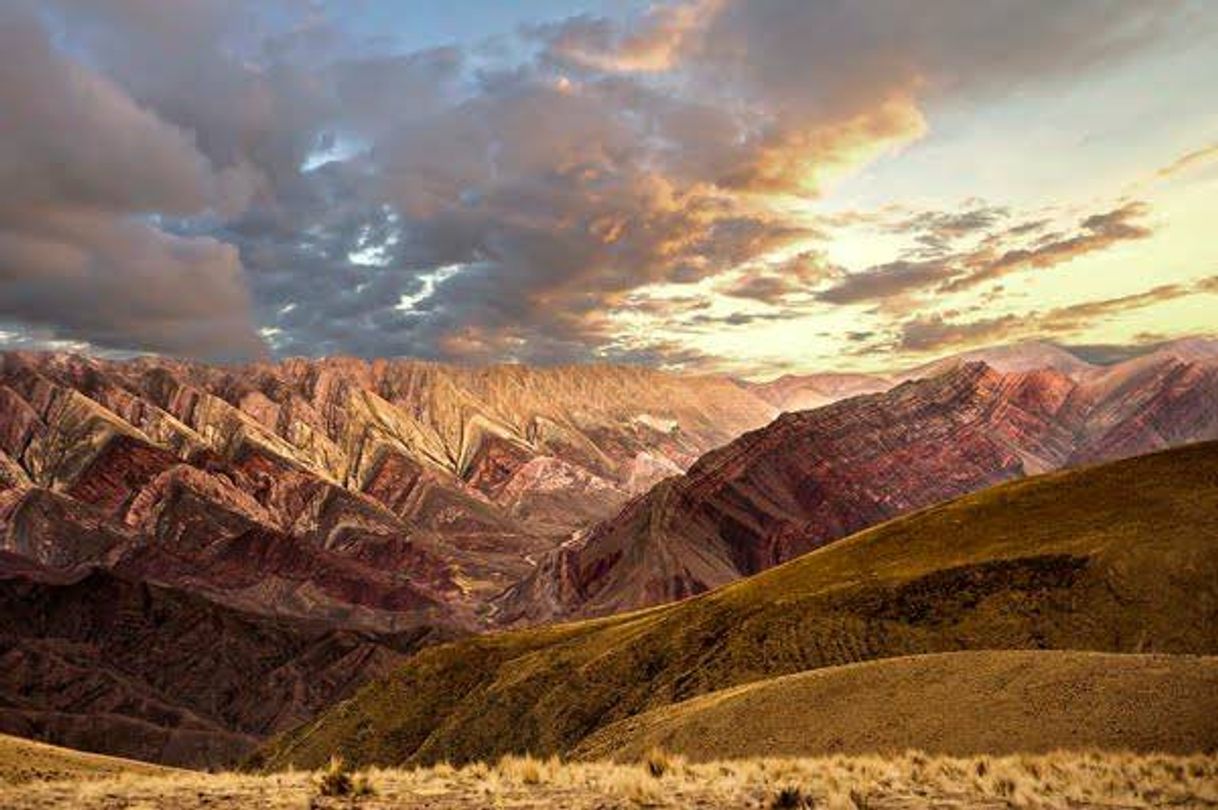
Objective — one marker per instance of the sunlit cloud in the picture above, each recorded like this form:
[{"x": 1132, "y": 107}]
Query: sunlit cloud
[
  {"x": 1199, "y": 157},
  {"x": 707, "y": 184}
]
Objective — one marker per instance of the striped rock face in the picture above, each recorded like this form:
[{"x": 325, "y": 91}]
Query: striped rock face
[
  {"x": 392, "y": 494},
  {"x": 815, "y": 476}
]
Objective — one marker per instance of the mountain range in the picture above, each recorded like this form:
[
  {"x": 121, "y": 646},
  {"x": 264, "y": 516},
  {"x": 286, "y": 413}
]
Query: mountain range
[
  {"x": 195, "y": 557},
  {"x": 1027, "y": 577},
  {"x": 811, "y": 477},
  {"x": 382, "y": 494}
]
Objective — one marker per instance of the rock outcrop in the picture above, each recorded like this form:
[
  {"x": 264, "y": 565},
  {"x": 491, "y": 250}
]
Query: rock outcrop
[{"x": 193, "y": 557}]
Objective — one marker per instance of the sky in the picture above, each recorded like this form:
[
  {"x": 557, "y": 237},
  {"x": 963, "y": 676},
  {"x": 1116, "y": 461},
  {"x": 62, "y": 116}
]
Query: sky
[{"x": 751, "y": 188}]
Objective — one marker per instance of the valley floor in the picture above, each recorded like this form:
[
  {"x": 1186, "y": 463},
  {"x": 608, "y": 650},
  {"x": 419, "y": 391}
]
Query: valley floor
[{"x": 912, "y": 780}]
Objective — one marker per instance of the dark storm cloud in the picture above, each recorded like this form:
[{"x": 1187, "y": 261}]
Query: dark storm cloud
[
  {"x": 83, "y": 168},
  {"x": 473, "y": 206},
  {"x": 218, "y": 69}
]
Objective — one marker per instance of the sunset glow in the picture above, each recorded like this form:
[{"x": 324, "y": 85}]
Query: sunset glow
[{"x": 706, "y": 185}]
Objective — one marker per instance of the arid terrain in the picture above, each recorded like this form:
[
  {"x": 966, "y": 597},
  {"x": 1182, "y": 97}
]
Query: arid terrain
[
  {"x": 608, "y": 404},
  {"x": 812, "y": 477},
  {"x": 193, "y": 557},
  {"x": 1016, "y": 567},
  {"x": 899, "y": 781},
  {"x": 997, "y": 702},
  {"x": 196, "y": 559},
  {"x": 26, "y": 761}
]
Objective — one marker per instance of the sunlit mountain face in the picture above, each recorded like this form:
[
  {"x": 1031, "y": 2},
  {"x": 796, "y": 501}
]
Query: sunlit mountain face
[{"x": 716, "y": 185}]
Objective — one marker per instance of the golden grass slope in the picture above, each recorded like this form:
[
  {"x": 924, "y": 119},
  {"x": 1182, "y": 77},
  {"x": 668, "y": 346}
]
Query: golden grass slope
[
  {"x": 1121, "y": 557},
  {"x": 1080, "y": 781},
  {"x": 982, "y": 702},
  {"x": 24, "y": 761}
]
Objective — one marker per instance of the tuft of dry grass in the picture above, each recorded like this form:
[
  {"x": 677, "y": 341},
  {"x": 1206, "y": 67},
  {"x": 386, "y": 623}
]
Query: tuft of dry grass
[
  {"x": 658, "y": 762},
  {"x": 791, "y": 798},
  {"x": 337, "y": 780},
  {"x": 1074, "y": 780}
]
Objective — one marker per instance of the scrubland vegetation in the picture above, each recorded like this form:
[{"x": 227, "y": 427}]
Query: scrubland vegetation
[{"x": 1061, "y": 779}]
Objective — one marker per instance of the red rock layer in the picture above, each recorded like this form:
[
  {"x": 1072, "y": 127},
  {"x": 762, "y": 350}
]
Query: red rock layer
[{"x": 815, "y": 476}]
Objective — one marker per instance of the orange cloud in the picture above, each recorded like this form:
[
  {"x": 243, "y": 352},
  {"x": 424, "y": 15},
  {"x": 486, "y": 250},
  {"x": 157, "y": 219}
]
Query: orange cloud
[
  {"x": 655, "y": 46},
  {"x": 803, "y": 160},
  {"x": 1197, "y": 157}
]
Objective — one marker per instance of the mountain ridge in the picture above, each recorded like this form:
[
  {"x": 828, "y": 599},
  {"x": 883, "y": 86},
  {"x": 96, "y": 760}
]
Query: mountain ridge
[
  {"x": 1012, "y": 567},
  {"x": 811, "y": 477}
]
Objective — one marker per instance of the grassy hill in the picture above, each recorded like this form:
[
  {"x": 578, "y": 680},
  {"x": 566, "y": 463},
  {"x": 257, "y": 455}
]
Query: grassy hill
[
  {"x": 1121, "y": 557},
  {"x": 957, "y": 704},
  {"x": 24, "y": 761}
]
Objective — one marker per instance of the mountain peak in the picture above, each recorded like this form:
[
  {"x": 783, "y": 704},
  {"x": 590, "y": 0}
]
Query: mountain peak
[{"x": 1026, "y": 356}]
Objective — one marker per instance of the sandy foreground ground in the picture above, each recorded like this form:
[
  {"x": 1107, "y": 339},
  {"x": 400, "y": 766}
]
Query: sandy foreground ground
[{"x": 1066, "y": 780}]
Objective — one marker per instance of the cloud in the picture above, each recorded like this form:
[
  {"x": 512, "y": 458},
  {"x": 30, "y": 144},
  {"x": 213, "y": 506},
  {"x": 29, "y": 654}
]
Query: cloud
[
  {"x": 561, "y": 186},
  {"x": 934, "y": 333},
  {"x": 236, "y": 74},
  {"x": 1095, "y": 233},
  {"x": 794, "y": 50},
  {"x": 259, "y": 162},
  {"x": 772, "y": 284},
  {"x": 1190, "y": 161},
  {"x": 738, "y": 318},
  {"x": 1078, "y": 316},
  {"x": 994, "y": 258},
  {"x": 654, "y": 45},
  {"x": 886, "y": 281},
  {"x": 85, "y": 171},
  {"x": 118, "y": 283},
  {"x": 938, "y": 231},
  {"x": 765, "y": 288},
  {"x": 797, "y": 159},
  {"x": 940, "y": 332}
]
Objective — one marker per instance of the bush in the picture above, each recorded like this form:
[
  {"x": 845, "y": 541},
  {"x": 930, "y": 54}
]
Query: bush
[
  {"x": 336, "y": 780},
  {"x": 658, "y": 762},
  {"x": 791, "y": 798},
  {"x": 525, "y": 770}
]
